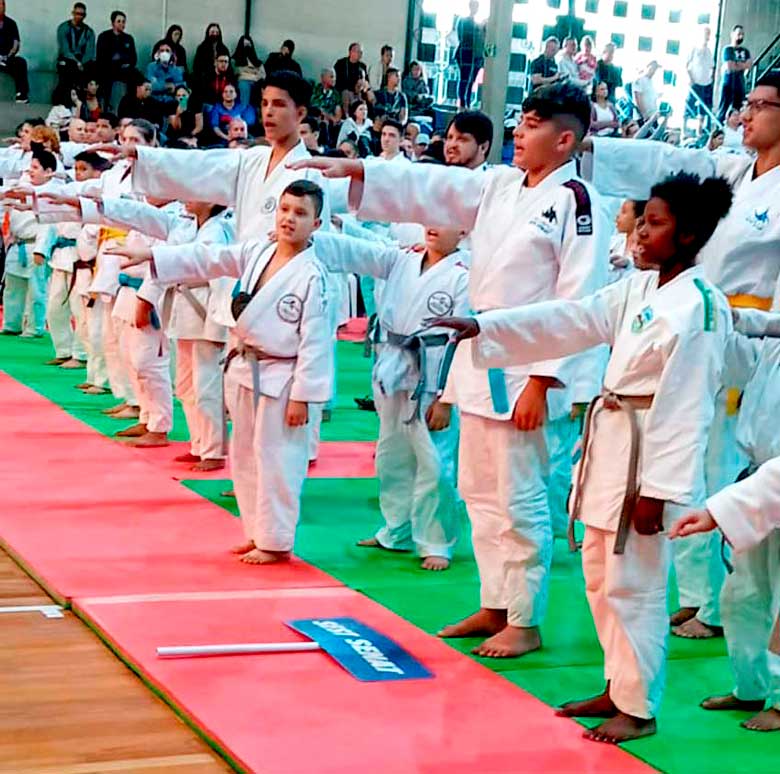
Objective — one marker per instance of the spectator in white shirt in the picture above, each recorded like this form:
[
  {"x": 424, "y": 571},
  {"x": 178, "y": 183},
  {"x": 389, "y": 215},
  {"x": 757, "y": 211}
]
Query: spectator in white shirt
[
  {"x": 733, "y": 131},
  {"x": 568, "y": 69},
  {"x": 377, "y": 73},
  {"x": 701, "y": 72},
  {"x": 392, "y": 132},
  {"x": 645, "y": 95}
]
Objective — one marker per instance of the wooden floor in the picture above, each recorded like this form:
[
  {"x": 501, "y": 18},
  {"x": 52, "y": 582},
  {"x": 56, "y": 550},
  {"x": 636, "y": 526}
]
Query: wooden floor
[{"x": 68, "y": 706}]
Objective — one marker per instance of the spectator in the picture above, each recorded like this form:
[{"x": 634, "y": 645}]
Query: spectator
[
  {"x": 701, "y": 73},
  {"x": 173, "y": 38},
  {"x": 116, "y": 60},
  {"x": 604, "y": 120},
  {"x": 139, "y": 102},
  {"x": 238, "y": 130},
  {"x": 10, "y": 61},
  {"x": 186, "y": 123},
  {"x": 629, "y": 128},
  {"x": 349, "y": 149},
  {"x": 90, "y": 104},
  {"x": 420, "y": 145},
  {"x": 352, "y": 77},
  {"x": 609, "y": 73},
  {"x": 470, "y": 52},
  {"x": 716, "y": 140},
  {"x": 107, "y": 127},
  {"x": 586, "y": 61},
  {"x": 392, "y": 99},
  {"x": 375, "y": 133},
  {"x": 226, "y": 110},
  {"x": 221, "y": 74},
  {"x": 377, "y": 73},
  {"x": 66, "y": 105},
  {"x": 468, "y": 140},
  {"x": 356, "y": 125},
  {"x": 75, "y": 47},
  {"x": 309, "y": 131},
  {"x": 206, "y": 53},
  {"x": 392, "y": 132},
  {"x": 736, "y": 62},
  {"x": 644, "y": 93},
  {"x": 326, "y": 99},
  {"x": 568, "y": 68},
  {"x": 163, "y": 73},
  {"x": 434, "y": 153},
  {"x": 283, "y": 60},
  {"x": 411, "y": 131},
  {"x": 415, "y": 87},
  {"x": 733, "y": 131},
  {"x": 544, "y": 69},
  {"x": 249, "y": 69}
]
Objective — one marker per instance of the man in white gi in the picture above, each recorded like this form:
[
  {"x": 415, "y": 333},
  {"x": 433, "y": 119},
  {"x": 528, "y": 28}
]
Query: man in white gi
[
  {"x": 743, "y": 260},
  {"x": 536, "y": 236}
]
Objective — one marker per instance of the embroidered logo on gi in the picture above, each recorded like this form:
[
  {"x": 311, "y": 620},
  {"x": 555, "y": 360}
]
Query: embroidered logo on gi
[
  {"x": 759, "y": 220},
  {"x": 290, "y": 308},
  {"x": 440, "y": 303},
  {"x": 642, "y": 319},
  {"x": 269, "y": 205},
  {"x": 550, "y": 215}
]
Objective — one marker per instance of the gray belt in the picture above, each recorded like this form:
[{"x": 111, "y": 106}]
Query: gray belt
[{"x": 193, "y": 301}]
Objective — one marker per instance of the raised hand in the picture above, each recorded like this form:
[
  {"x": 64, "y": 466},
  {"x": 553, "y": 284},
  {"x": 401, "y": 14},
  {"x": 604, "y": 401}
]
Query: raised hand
[
  {"x": 331, "y": 167},
  {"x": 464, "y": 327},
  {"x": 692, "y": 523},
  {"x": 55, "y": 198},
  {"x": 131, "y": 255},
  {"x": 120, "y": 151}
]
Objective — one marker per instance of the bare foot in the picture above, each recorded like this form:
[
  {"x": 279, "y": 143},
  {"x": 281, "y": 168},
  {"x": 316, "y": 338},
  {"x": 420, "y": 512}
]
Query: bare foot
[
  {"x": 73, "y": 364},
  {"x": 694, "y": 629},
  {"x": 435, "y": 563},
  {"x": 228, "y": 493},
  {"x": 374, "y": 543},
  {"x": 134, "y": 431},
  {"x": 682, "y": 615},
  {"x": 205, "y": 465},
  {"x": 258, "y": 556},
  {"x": 768, "y": 720},
  {"x": 83, "y": 386},
  {"x": 621, "y": 728},
  {"x": 600, "y": 706},
  {"x": 131, "y": 412},
  {"x": 95, "y": 390},
  {"x": 113, "y": 409},
  {"x": 57, "y": 361},
  {"x": 187, "y": 458},
  {"x": 150, "y": 441},
  {"x": 244, "y": 548},
  {"x": 731, "y": 702},
  {"x": 484, "y": 622},
  {"x": 510, "y": 642}
]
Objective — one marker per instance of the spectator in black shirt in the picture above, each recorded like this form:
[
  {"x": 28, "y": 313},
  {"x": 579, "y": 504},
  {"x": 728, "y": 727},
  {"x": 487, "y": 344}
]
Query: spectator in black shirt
[
  {"x": 116, "y": 60},
  {"x": 392, "y": 98},
  {"x": 206, "y": 53},
  {"x": 736, "y": 62},
  {"x": 186, "y": 123},
  {"x": 544, "y": 69},
  {"x": 173, "y": 39},
  {"x": 352, "y": 77},
  {"x": 139, "y": 102},
  {"x": 75, "y": 48},
  {"x": 10, "y": 61},
  {"x": 609, "y": 73},
  {"x": 283, "y": 60},
  {"x": 470, "y": 53}
]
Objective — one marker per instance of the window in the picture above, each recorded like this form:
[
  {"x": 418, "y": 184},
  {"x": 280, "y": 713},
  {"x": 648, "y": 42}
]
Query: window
[
  {"x": 645, "y": 44},
  {"x": 620, "y": 8},
  {"x": 670, "y": 77},
  {"x": 591, "y": 6},
  {"x": 554, "y": 3},
  {"x": 618, "y": 39},
  {"x": 517, "y": 63},
  {"x": 675, "y": 17},
  {"x": 704, "y": 18},
  {"x": 648, "y": 12},
  {"x": 519, "y": 30},
  {"x": 673, "y": 47}
]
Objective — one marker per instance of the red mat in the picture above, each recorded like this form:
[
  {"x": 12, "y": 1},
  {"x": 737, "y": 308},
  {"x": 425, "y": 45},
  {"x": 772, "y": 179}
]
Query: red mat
[
  {"x": 354, "y": 330},
  {"x": 301, "y": 713},
  {"x": 89, "y": 516}
]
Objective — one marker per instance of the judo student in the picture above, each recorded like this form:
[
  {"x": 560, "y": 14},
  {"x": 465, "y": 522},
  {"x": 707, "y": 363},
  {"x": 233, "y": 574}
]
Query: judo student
[
  {"x": 280, "y": 366},
  {"x": 536, "y": 235},
  {"x": 621, "y": 258},
  {"x": 24, "y": 296},
  {"x": 418, "y": 434},
  {"x": 668, "y": 328},
  {"x": 750, "y": 598},
  {"x": 743, "y": 260}
]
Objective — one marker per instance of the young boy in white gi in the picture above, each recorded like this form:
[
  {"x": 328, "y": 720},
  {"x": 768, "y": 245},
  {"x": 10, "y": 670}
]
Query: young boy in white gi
[
  {"x": 645, "y": 437},
  {"x": 621, "y": 261},
  {"x": 536, "y": 235},
  {"x": 743, "y": 260},
  {"x": 281, "y": 363},
  {"x": 418, "y": 434}
]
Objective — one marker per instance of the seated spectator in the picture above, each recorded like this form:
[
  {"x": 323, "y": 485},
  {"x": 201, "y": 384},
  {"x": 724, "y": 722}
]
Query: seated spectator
[
  {"x": 356, "y": 125},
  {"x": 568, "y": 69},
  {"x": 544, "y": 69},
  {"x": 283, "y": 59},
  {"x": 206, "y": 53},
  {"x": 392, "y": 132},
  {"x": 10, "y": 61},
  {"x": 227, "y": 110},
  {"x": 65, "y": 106},
  {"x": 629, "y": 127},
  {"x": 420, "y": 145},
  {"x": 115, "y": 59},
  {"x": 249, "y": 69},
  {"x": 392, "y": 99},
  {"x": 352, "y": 77},
  {"x": 163, "y": 72},
  {"x": 186, "y": 123},
  {"x": 586, "y": 61},
  {"x": 75, "y": 47},
  {"x": 375, "y": 132},
  {"x": 349, "y": 148},
  {"x": 309, "y": 131},
  {"x": 238, "y": 130},
  {"x": 173, "y": 38},
  {"x": 716, "y": 140},
  {"x": 733, "y": 131},
  {"x": 90, "y": 104},
  {"x": 604, "y": 120},
  {"x": 139, "y": 102},
  {"x": 415, "y": 87},
  {"x": 644, "y": 93},
  {"x": 434, "y": 153},
  {"x": 107, "y": 127},
  {"x": 412, "y": 130},
  {"x": 326, "y": 99},
  {"x": 222, "y": 74},
  {"x": 377, "y": 73},
  {"x": 240, "y": 143}
]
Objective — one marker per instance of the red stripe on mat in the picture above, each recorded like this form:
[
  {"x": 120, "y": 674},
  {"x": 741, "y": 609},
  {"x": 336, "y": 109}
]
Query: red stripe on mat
[{"x": 354, "y": 330}]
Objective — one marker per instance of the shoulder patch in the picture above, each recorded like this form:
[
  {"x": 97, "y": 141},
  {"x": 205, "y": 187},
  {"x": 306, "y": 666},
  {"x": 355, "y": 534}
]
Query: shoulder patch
[
  {"x": 710, "y": 319},
  {"x": 583, "y": 211}
]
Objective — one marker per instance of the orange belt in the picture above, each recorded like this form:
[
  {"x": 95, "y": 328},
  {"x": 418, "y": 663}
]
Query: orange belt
[
  {"x": 747, "y": 301},
  {"x": 105, "y": 233}
]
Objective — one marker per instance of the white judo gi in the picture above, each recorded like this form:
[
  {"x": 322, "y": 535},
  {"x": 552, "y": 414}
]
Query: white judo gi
[
  {"x": 528, "y": 244},
  {"x": 666, "y": 362},
  {"x": 743, "y": 259},
  {"x": 283, "y": 352},
  {"x": 416, "y": 467}
]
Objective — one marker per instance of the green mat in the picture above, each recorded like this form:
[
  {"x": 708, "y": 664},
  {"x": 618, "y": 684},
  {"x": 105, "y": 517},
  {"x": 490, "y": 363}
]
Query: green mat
[{"x": 338, "y": 512}]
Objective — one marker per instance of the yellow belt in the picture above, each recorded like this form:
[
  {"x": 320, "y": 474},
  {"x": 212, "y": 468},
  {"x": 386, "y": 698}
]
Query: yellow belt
[
  {"x": 107, "y": 233},
  {"x": 747, "y": 301}
]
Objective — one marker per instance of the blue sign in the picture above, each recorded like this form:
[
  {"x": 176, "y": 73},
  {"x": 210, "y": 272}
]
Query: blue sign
[{"x": 365, "y": 653}]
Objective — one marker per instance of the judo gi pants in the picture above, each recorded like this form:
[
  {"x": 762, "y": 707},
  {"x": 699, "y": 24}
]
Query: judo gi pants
[
  {"x": 147, "y": 360},
  {"x": 627, "y": 597},
  {"x": 268, "y": 461},
  {"x": 60, "y": 309},
  {"x": 118, "y": 376},
  {"x": 97, "y": 373},
  {"x": 24, "y": 303},
  {"x": 561, "y": 436},
  {"x": 502, "y": 477},
  {"x": 417, "y": 472},
  {"x": 749, "y": 602},
  {"x": 199, "y": 388}
]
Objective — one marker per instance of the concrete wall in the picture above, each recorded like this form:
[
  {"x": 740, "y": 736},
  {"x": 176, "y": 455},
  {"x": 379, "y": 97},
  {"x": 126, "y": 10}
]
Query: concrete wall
[{"x": 760, "y": 18}]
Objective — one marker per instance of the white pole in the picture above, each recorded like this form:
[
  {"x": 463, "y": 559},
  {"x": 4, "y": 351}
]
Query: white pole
[{"x": 187, "y": 651}]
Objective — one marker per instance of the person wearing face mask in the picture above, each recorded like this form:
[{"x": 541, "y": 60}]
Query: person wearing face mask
[
  {"x": 206, "y": 52},
  {"x": 249, "y": 69},
  {"x": 116, "y": 58},
  {"x": 163, "y": 73}
]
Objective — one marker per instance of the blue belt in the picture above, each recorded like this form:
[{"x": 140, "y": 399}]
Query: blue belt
[
  {"x": 62, "y": 242},
  {"x": 21, "y": 249},
  {"x": 498, "y": 392},
  {"x": 126, "y": 281}
]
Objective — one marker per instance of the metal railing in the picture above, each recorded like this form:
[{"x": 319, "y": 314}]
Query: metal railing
[
  {"x": 769, "y": 54},
  {"x": 715, "y": 122}
]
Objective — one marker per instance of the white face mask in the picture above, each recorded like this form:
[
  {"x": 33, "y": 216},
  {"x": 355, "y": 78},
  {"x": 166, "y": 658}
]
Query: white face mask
[{"x": 164, "y": 56}]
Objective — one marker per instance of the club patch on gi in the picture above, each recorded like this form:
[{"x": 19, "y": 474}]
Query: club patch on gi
[
  {"x": 269, "y": 205},
  {"x": 440, "y": 303},
  {"x": 644, "y": 318},
  {"x": 759, "y": 220},
  {"x": 290, "y": 308}
]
